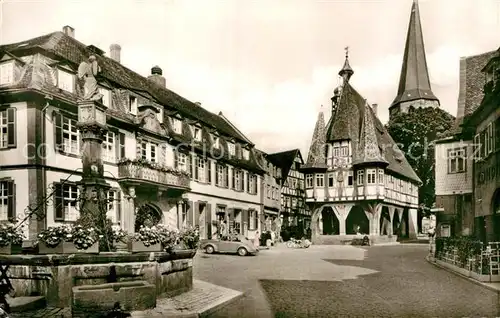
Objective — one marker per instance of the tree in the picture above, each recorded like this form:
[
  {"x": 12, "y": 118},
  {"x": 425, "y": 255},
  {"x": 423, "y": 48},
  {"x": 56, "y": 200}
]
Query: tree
[{"x": 415, "y": 133}]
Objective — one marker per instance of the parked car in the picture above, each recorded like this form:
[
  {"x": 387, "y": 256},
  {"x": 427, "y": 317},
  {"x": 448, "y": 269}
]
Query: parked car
[{"x": 233, "y": 244}]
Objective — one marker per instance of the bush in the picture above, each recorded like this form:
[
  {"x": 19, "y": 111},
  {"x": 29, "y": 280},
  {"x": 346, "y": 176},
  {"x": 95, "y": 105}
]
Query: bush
[{"x": 466, "y": 246}]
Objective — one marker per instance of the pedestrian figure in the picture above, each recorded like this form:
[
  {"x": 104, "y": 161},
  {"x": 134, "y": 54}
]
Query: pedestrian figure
[{"x": 256, "y": 240}]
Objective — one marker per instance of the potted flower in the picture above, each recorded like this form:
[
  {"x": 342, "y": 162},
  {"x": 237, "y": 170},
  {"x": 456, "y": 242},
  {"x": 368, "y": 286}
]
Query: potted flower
[
  {"x": 147, "y": 239},
  {"x": 119, "y": 239},
  {"x": 11, "y": 239},
  {"x": 168, "y": 237},
  {"x": 67, "y": 239},
  {"x": 189, "y": 238}
]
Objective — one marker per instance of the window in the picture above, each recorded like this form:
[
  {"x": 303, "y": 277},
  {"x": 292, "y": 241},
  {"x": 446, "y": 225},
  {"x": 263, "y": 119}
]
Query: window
[
  {"x": 181, "y": 161},
  {"x": 238, "y": 183},
  {"x": 219, "y": 177},
  {"x": 344, "y": 151},
  {"x": 380, "y": 176},
  {"x": 361, "y": 177},
  {"x": 252, "y": 220},
  {"x": 331, "y": 179},
  {"x": 197, "y": 133},
  {"x": 336, "y": 152},
  {"x": 491, "y": 138},
  {"x": 8, "y": 128},
  {"x": 132, "y": 105},
  {"x": 65, "y": 81},
  {"x": 200, "y": 172},
  {"x": 456, "y": 160},
  {"x": 71, "y": 136},
  {"x": 246, "y": 154},
  {"x": 176, "y": 125},
  {"x": 370, "y": 176},
  {"x": 320, "y": 180},
  {"x": 253, "y": 184},
  {"x": 349, "y": 178},
  {"x": 7, "y": 200},
  {"x": 114, "y": 211},
  {"x": 231, "y": 148},
  {"x": 149, "y": 151},
  {"x": 216, "y": 142},
  {"x": 6, "y": 73},
  {"x": 106, "y": 96},
  {"x": 65, "y": 202},
  {"x": 108, "y": 147},
  {"x": 477, "y": 147}
]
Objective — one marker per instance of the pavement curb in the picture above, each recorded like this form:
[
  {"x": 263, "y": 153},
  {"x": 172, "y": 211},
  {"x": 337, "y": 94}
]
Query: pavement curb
[{"x": 492, "y": 288}]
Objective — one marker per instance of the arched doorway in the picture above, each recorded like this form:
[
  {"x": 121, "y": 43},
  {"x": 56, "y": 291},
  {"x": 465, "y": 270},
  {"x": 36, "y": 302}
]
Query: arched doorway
[
  {"x": 395, "y": 222},
  {"x": 357, "y": 220},
  {"x": 331, "y": 224},
  {"x": 148, "y": 214},
  {"x": 385, "y": 221}
]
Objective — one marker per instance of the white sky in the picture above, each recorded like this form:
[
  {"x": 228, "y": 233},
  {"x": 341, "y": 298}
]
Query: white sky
[{"x": 269, "y": 65}]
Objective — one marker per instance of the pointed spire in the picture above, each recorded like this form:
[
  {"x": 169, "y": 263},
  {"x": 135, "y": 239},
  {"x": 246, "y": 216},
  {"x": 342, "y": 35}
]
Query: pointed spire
[
  {"x": 346, "y": 71},
  {"x": 316, "y": 159},
  {"x": 414, "y": 80}
]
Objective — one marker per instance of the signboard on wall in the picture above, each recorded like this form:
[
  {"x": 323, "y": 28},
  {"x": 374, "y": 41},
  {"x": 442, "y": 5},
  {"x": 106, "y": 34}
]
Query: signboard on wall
[{"x": 445, "y": 230}]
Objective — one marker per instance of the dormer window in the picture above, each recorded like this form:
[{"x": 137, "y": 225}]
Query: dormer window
[
  {"x": 216, "y": 142},
  {"x": 132, "y": 105},
  {"x": 197, "y": 133},
  {"x": 159, "y": 115},
  {"x": 231, "y": 148},
  {"x": 246, "y": 154},
  {"x": 176, "y": 125},
  {"x": 7, "y": 73},
  {"x": 65, "y": 81},
  {"x": 106, "y": 96}
]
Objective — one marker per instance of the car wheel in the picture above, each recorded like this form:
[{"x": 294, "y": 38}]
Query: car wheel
[
  {"x": 209, "y": 249},
  {"x": 242, "y": 251}
]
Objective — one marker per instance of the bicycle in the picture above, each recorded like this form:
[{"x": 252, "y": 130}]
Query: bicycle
[{"x": 293, "y": 243}]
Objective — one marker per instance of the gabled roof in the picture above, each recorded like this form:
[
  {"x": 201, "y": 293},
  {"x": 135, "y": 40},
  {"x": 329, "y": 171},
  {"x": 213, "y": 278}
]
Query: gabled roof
[
  {"x": 68, "y": 48},
  {"x": 284, "y": 160},
  {"x": 471, "y": 86},
  {"x": 316, "y": 156},
  {"x": 354, "y": 120},
  {"x": 414, "y": 80}
]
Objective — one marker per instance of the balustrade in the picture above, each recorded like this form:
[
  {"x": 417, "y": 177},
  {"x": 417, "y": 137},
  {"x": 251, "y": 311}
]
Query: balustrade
[{"x": 138, "y": 172}]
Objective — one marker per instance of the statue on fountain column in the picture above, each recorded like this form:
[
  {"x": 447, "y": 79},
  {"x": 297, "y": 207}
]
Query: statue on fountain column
[{"x": 88, "y": 71}]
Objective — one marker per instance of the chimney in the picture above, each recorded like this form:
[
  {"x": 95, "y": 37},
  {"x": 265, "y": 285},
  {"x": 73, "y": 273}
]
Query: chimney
[
  {"x": 114, "y": 52},
  {"x": 156, "y": 76},
  {"x": 375, "y": 109},
  {"x": 69, "y": 31}
]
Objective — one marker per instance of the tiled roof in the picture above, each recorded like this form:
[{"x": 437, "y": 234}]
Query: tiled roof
[
  {"x": 414, "y": 80},
  {"x": 316, "y": 157},
  {"x": 75, "y": 52},
  {"x": 354, "y": 120},
  {"x": 284, "y": 160},
  {"x": 472, "y": 81}
]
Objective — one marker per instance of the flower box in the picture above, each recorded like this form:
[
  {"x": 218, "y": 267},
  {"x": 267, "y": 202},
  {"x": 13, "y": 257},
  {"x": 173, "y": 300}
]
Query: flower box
[
  {"x": 10, "y": 249},
  {"x": 138, "y": 246},
  {"x": 67, "y": 248}
]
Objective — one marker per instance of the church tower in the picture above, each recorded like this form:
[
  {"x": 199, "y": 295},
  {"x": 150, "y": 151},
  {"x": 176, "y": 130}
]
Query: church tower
[{"x": 414, "y": 84}]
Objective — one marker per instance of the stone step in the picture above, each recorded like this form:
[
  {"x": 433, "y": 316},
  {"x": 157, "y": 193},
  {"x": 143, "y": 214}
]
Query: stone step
[{"x": 26, "y": 303}]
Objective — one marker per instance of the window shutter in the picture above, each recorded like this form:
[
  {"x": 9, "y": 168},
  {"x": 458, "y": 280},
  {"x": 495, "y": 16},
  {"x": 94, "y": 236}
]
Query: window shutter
[
  {"x": 189, "y": 159},
  {"x": 11, "y": 200},
  {"x": 197, "y": 214},
  {"x": 189, "y": 212},
  {"x": 217, "y": 180},
  {"x": 196, "y": 164},
  {"x": 247, "y": 178},
  {"x": 121, "y": 144},
  {"x": 244, "y": 220},
  {"x": 11, "y": 127},
  {"x": 58, "y": 132},
  {"x": 209, "y": 171},
  {"x": 208, "y": 220},
  {"x": 58, "y": 202},
  {"x": 118, "y": 199},
  {"x": 226, "y": 176},
  {"x": 176, "y": 159},
  {"x": 256, "y": 220}
]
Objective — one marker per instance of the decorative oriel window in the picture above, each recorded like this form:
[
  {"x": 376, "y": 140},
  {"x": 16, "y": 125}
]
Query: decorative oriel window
[
  {"x": 320, "y": 180},
  {"x": 309, "y": 181},
  {"x": 371, "y": 174},
  {"x": 6, "y": 73},
  {"x": 360, "y": 177}
]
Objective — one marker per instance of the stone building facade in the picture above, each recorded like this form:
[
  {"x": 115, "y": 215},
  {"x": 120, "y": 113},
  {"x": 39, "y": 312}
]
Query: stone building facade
[{"x": 168, "y": 160}]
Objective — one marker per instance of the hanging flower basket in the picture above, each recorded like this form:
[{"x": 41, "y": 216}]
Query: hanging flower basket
[
  {"x": 67, "y": 248},
  {"x": 10, "y": 249},
  {"x": 147, "y": 239}
]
